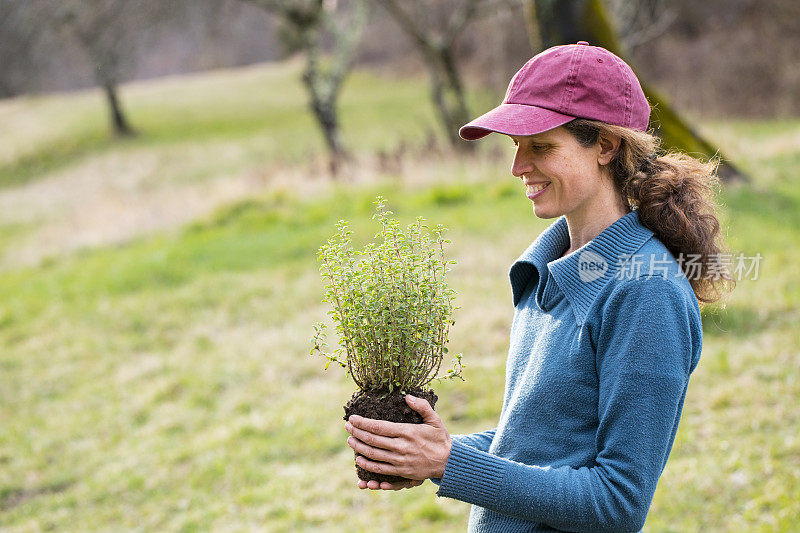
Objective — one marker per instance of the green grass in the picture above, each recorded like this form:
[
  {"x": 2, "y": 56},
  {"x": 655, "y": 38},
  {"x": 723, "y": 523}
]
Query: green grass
[
  {"x": 165, "y": 384},
  {"x": 263, "y": 108}
]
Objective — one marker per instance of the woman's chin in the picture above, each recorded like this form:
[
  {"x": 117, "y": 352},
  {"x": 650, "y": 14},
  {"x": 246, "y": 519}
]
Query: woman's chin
[{"x": 544, "y": 212}]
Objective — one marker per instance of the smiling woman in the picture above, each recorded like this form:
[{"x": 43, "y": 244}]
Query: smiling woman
[
  {"x": 563, "y": 177},
  {"x": 606, "y": 330}
]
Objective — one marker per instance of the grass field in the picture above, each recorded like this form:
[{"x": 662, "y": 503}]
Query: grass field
[{"x": 154, "y": 374}]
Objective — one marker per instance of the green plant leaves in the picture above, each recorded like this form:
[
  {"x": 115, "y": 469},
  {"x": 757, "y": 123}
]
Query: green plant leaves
[{"x": 390, "y": 302}]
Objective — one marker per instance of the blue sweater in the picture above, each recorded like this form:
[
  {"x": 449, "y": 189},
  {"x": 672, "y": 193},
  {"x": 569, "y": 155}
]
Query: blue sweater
[{"x": 599, "y": 360}]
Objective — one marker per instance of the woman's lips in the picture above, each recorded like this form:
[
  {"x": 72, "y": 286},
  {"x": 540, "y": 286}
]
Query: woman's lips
[{"x": 534, "y": 195}]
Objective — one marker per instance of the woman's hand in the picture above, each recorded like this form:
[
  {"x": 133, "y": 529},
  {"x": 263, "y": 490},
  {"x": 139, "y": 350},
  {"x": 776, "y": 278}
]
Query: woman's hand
[
  {"x": 413, "y": 451},
  {"x": 384, "y": 485}
]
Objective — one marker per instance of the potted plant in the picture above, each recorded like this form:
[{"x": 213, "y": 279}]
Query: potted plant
[{"x": 393, "y": 309}]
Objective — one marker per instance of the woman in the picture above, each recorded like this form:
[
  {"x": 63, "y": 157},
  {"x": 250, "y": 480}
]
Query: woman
[{"x": 606, "y": 328}]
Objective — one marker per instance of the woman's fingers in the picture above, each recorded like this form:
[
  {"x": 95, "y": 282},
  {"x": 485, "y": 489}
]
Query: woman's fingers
[
  {"x": 379, "y": 427},
  {"x": 382, "y": 467},
  {"x": 420, "y": 453},
  {"x": 423, "y": 407},
  {"x": 378, "y": 454},
  {"x": 401, "y": 485},
  {"x": 378, "y": 441},
  {"x": 385, "y": 485}
]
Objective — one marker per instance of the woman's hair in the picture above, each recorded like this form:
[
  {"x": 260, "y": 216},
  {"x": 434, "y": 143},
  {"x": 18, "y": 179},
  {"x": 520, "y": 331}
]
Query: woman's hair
[{"x": 674, "y": 195}]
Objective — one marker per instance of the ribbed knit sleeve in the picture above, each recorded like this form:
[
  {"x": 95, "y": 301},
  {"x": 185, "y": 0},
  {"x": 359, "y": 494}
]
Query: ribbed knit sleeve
[
  {"x": 645, "y": 351},
  {"x": 479, "y": 441}
]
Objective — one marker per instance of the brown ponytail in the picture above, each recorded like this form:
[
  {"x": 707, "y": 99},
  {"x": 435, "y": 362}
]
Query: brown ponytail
[{"x": 674, "y": 194}]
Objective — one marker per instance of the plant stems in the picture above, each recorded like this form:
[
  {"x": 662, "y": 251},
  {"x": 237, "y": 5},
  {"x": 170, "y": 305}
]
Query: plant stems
[{"x": 393, "y": 308}]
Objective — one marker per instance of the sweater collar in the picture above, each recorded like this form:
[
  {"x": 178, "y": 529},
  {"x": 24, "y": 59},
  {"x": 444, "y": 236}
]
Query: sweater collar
[{"x": 582, "y": 274}]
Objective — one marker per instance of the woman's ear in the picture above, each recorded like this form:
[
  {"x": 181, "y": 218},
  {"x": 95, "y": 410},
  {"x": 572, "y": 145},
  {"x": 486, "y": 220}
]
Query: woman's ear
[{"x": 609, "y": 146}]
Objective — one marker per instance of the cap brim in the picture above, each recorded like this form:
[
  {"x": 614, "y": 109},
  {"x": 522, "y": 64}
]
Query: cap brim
[{"x": 513, "y": 119}]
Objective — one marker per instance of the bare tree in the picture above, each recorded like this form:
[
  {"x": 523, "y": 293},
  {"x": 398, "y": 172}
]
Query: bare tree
[
  {"x": 638, "y": 22},
  {"x": 434, "y": 27},
  {"x": 555, "y": 22},
  {"x": 311, "y": 21},
  {"x": 106, "y": 31}
]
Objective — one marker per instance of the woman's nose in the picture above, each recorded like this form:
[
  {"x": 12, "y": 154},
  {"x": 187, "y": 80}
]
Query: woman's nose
[{"x": 521, "y": 165}]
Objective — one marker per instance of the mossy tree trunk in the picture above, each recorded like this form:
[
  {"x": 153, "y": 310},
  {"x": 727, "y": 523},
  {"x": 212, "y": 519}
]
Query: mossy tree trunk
[
  {"x": 554, "y": 22},
  {"x": 324, "y": 73},
  {"x": 437, "y": 49}
]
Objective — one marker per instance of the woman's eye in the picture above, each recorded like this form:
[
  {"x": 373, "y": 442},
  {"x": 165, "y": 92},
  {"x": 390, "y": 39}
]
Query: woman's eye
[
  {"x": 534, "y": 147},
  {"x": 540, "y": 148}
]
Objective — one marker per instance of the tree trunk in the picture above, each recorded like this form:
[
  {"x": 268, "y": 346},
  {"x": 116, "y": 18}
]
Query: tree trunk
[
  {"x": 447, "y": 91},
  {"x": 569, "y": 21},
  {"x": 309, "y": 21},
  {"x": 323, "y": 90},
  {"x": 438, "y": 52},
  {"x": 119, "y": 123},
  {"x": 328, "y": 120}
]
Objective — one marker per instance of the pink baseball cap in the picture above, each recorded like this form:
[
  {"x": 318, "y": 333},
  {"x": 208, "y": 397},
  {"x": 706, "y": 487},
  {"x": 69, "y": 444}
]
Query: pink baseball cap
[{"x": 563, "y": 83}]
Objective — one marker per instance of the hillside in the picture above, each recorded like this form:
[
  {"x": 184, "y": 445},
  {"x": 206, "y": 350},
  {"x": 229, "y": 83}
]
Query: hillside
[{"x": 159, "y": 295}]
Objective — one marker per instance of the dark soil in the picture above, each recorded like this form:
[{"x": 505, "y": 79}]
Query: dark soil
[{"x": 381, "y": 405}]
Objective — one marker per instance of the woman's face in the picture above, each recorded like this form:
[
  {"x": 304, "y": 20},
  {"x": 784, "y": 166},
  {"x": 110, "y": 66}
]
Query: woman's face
[{"x": 561, "y": 176}]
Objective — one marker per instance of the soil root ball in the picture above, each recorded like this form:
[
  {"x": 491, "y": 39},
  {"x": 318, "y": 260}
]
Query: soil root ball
[{"x": 382, "y": 405}]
